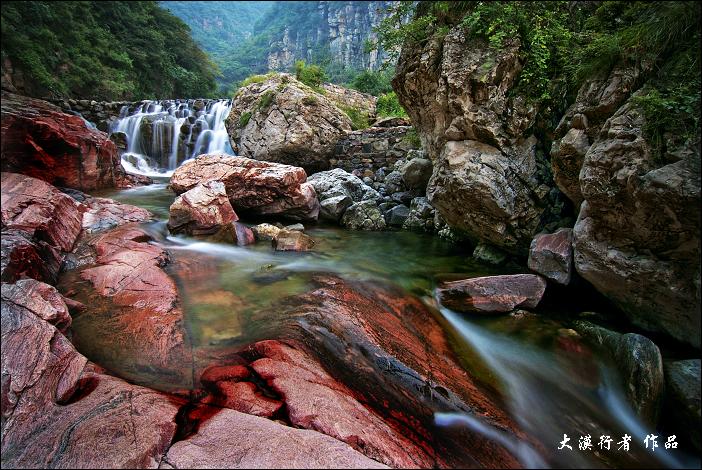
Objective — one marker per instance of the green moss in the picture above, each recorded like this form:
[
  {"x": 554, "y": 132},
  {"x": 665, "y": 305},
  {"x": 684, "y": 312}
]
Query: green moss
[
  {"x": 244, "y": 119},
  {"x": 310, "y": 100},
  {"x": 266, "y": 100}
]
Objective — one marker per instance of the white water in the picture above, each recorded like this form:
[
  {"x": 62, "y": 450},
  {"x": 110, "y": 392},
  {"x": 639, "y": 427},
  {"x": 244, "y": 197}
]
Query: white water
[
  {"x": 547, "y": 400},
  {"x": 172, "y": 139}
]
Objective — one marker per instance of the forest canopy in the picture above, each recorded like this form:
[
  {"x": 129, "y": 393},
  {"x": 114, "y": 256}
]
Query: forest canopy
[{"x": 103, "y": 50}]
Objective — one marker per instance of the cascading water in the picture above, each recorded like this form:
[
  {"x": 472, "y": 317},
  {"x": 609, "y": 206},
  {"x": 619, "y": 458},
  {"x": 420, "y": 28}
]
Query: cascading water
[{"x": 160, "y": 135}]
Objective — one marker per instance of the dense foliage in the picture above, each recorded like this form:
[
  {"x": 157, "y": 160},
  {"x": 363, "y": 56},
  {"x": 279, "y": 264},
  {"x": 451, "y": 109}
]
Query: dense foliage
[
  {"x": 311, "y": 75},
  {"x": 103, "y": 50},
  {"x": 563, "y": 43}
]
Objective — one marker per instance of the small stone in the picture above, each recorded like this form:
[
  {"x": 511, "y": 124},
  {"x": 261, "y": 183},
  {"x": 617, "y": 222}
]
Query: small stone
[{"x": 290, "y": 240}]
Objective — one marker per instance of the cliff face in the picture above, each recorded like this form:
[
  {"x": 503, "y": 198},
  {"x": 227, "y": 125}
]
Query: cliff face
[
  {"x": 636, "y": 238},
  {"x": 336, "y": 31}
]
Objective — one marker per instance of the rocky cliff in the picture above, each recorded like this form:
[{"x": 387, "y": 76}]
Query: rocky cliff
[{"x": 637, "y": 202}]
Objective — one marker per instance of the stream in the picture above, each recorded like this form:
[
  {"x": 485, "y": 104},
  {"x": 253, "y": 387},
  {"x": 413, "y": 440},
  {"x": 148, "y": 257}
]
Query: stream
[{"x": 548, "y": 386}]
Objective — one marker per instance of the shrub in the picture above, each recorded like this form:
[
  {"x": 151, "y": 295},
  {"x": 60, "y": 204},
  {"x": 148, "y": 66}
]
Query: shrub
[
  {"x": 359, "y": 119},
  {"x": 310, "y": 100},
  {"x": 389, "y": 106},
  {"x": 265, "y": 100},
  {"x": 257, "y": 79},
  {"x": 311, "y": 75}
]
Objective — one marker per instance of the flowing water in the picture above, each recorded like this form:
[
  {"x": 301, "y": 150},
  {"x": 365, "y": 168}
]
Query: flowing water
[
  {"x": 162, "y": 134},
  {"x": 548, "y": 384}
]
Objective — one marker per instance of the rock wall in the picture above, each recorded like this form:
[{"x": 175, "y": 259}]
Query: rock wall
[
  {"x": 338, "y": 29},
  {"x": 373, "y": 148},
  {"x": 636, "y": 238}
]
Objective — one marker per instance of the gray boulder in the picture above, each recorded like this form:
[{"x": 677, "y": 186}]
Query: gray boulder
[{"x": 363, "y": 215}]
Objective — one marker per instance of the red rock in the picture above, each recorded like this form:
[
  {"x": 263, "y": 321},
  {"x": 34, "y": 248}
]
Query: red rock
[
  {"x": 292, "y": 240},
  {"x": 256, "y": 187},
  {"x": 551, "y": 255},
  {"x": 244, "y": 235},
  {"x": 40, "y": 210},
  {"x": 492, "y": 294},
  {"x": 380, "y": 355},
  {"x": 59, "y": 411},
  {"x": 41, "y": 299},
  {"x": 202, "y": 210},
  {"x": 247, "y": 398},
  {"x": 102, "y": 214},
  {"x": 22, "y": 257},
  {"x": 230, "y": 439},
  {"x": 215, "y": 374},
  {"x": 41, "y": 141},
  {"x": 132, "y": 297}
]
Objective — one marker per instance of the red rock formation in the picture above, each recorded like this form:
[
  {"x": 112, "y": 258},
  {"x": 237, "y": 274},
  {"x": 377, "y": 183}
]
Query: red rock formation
[
  {"x": 41, "y": 141},
  {"x": 59, "y": 411},
  {"x": 253, "y": 186},
  {"x": 202, "y": 210},
  {"x": 23, "y": 257},
  {"x": 40, "y": 210},
  {"x": 231, "y": 439},
  {"x": 244, "y": 235},
  {"x": 493, "y": 294},
  {"x": 41, "y": 299},
  {"x": 138, "y": 303}
]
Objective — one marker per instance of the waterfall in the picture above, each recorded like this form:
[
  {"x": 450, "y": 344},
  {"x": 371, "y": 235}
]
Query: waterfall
[{"x": 160, "y": 135}]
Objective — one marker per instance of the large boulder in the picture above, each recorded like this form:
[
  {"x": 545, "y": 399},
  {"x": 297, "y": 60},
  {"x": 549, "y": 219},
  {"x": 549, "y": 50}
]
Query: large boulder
[
  {"x": 637, "y": 235},
  {"x": 491, "y": 196},
  {"x": 253, "y": 187},
  {"x": 488, "y": 180},
  {"x": 40, "y": 140},
  {"x": 203, "y": 210},
  {"x": 282, "y": 120},
  {"x": 492, "y": 294}
]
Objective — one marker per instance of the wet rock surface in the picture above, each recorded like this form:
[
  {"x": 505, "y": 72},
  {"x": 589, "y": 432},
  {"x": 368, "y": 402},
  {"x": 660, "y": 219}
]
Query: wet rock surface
[
  {"x": 203, "y": 210},
  {"x": 493, "y": 294},
  {"x": 682, "y": 397},
  {"x": 258, "y": 188}
]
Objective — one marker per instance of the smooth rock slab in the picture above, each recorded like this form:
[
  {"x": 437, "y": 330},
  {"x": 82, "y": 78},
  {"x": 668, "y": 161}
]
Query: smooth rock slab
[
  {"x": 551, "y": 255},
  {"x": 103, "y": 214},
  {"x": 60, "y": 411},
  {"x": 260, "y": 188},
  {"x": 235, "y": 440},
  {"x": 492, "y": 294}
]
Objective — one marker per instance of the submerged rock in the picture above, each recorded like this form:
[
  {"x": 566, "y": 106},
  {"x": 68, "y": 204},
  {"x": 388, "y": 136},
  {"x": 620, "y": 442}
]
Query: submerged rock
[
  {"x": 103, "y": 214},
  {"x": 551, "y": 255},
  {"x": 638, "y": 360},
  {"x": 292, "y": 240},
  {"x": 492, "y": 294},
  {"x": 252, "y": 186}
]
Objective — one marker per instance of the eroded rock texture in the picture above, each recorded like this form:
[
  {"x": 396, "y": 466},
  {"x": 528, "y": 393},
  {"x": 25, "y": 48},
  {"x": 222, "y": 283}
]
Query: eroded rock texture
[
  {"x": 259, "y": 188},
  {"x": 41, "y": 141},
  {"x": 488, "y": 180},
  {"x": 282, "y": 120}
]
